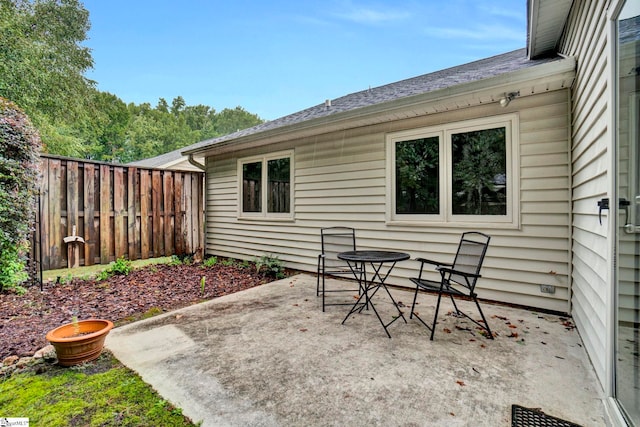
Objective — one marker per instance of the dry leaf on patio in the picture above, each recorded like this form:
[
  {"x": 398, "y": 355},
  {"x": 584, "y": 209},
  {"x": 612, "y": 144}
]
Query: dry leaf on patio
[
  {"x": 513, "y": 326},
  {"x": 495, "y": 316},
  {"x": 303, "y": 330},
  {"x": 513, "y": 335},
  {"x": 461, "y": 383},
  {"x": 446, "y": 330}
]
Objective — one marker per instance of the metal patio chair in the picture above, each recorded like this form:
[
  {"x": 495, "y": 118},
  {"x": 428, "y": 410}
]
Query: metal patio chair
[
  {"x": 457, "y": 279},
  {"x": 335, "y": 240}
]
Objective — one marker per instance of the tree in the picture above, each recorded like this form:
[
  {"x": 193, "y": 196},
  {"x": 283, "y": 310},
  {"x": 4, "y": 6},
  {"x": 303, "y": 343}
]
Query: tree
[
  {"x": 417, "y": 176},
  {"x": 104, "y": 132},
  {"x": 479, "y": 159},
  {"x": 42, "y": 66},
  {"x": 19, "y": 155},
  {"x": 232, "y": 120}
]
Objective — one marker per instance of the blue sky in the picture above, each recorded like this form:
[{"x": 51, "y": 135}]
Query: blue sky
[{"x": 276, "y": 57}]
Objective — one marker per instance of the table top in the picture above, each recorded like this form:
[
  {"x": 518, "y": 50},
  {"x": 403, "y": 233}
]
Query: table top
[{"x": 373, "y": 256}]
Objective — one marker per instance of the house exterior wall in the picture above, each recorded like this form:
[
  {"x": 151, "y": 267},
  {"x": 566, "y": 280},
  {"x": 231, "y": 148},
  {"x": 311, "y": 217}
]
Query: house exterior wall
[
  {"x": 340, "y": 179},
  {"x": 585, "y": 38}
]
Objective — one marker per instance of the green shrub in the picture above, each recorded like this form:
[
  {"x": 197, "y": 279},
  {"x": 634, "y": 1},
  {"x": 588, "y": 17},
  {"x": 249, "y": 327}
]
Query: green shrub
[
  {"x": 121, "y": 266},
  {"x": 175, "y": 260},
  {"x": 210, "y": 262},
  {"x": 19, "y": 157},
  {"x": 270, "y": 265},
  {"x": 229, "y": 262}
]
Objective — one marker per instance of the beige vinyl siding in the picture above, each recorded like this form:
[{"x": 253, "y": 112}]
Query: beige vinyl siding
[
  {"x": 585, "y": 39},
  {"x": 340, "y": 179}
]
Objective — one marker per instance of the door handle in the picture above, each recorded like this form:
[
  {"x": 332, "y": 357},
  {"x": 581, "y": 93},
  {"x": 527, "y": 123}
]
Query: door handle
[
  {"x": 602, "y": 205},
  {"x": 622, "y": 204}
]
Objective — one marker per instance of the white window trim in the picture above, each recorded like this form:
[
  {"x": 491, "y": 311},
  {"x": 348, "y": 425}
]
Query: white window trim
[
  {"x": 264, "y": 158},
  {"x": 445, "y": 216}
]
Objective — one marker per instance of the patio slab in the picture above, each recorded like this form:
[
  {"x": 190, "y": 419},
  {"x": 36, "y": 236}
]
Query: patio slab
[{"x": 269, "y": 356}]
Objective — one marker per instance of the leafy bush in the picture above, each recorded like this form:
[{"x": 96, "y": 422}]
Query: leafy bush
[
  {"x": 229, "y": 262},
  {"x": 270, "y": 265},
  {"x": 186, "y": 259},
  {"x": 121, "y": 266},
  {"x": 19, "y": 157},
  {"x": 175, "y": 260},
  {"x": 210, "y": 262}
]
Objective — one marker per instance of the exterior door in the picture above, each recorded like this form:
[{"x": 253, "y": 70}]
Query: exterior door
[{"x": 627, "y": 273}]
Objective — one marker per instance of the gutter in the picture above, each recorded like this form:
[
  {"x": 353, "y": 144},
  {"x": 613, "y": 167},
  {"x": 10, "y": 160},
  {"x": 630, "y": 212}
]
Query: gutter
[{"x": 195, "y": 163}]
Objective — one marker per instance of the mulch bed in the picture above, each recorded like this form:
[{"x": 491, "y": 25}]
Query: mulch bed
[{"x": 25, "y": 319}]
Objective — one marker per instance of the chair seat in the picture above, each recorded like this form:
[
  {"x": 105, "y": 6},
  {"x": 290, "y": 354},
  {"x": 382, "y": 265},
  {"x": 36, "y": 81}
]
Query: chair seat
[{"x": 430, "y": 285}]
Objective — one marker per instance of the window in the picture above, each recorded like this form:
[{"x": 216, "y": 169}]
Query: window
[
  {"x": 265, "y": 186},
  {"x": 455, "y": 173}
]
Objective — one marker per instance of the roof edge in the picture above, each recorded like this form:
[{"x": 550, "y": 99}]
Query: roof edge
[{"x": 563, "y": 65}]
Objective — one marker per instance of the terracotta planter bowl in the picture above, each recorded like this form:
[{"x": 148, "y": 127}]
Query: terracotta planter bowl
[{"x": 81, "y": 342}]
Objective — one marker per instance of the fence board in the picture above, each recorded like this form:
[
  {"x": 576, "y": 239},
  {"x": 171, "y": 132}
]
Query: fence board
[
  {"x": 156, "y": 203},
  {"x": 178, "y": 211},
  {"x": 168, "y": 213},
  {"x": 89, "y": 215},
  {"x": 132, "y": 232},
  {"x": 55, "y": 217},
  {"x": 72, "y": 197},
  {"x": 44, "y": 215},
  {"x": 105, "y": 217},
  {"x": 119, "y": 214},
  {"x": 119, "y": 210},
  {"x": 145, "y": 203}
]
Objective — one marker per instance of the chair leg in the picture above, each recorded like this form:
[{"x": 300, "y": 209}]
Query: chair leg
[
  {"x": 435, "y": 318},
  {"x": 414, "y": 302},
  {"x": 484, "y": 320},
  {"x": 318, "y": 278},
  {"x": 323, "y": 292},
  {"x": 458, "y": 312}
]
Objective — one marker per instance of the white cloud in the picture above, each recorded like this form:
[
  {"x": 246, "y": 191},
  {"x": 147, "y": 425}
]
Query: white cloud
[
  {"x": 479, "y": 32},
  {"x": 370, "y": 14}
]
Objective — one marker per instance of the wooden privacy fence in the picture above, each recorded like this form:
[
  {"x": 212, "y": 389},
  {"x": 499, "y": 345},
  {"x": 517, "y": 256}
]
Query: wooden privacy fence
[{"x": 118, "y": 211}]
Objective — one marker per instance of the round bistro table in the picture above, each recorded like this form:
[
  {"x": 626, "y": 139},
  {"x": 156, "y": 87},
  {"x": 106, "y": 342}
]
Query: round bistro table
[{"x": 374, "y": 259}]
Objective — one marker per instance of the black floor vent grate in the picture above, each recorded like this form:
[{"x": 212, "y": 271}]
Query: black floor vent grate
[{"x": 533, "y": 417}]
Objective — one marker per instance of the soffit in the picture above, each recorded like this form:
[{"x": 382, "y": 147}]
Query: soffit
[{"x": 546, "y": 22}]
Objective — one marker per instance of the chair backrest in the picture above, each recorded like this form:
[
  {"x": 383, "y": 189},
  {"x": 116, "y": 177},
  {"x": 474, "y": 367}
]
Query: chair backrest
[
  {"x": 471, "y": 250},
  {"x": 335, "y": 240}
]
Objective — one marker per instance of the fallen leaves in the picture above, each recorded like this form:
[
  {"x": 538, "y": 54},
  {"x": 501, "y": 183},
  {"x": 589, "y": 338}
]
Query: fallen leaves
[{"x": 460, "y": 383}]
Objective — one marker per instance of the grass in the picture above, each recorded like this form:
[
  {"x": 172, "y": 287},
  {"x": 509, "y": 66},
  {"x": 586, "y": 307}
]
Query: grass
[
  {"x": 94, "y": 270},
  {"x": 99, "y": 393}
]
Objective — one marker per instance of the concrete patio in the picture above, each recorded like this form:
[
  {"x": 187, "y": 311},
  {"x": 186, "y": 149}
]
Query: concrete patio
[{"x": 269, "y": 356}]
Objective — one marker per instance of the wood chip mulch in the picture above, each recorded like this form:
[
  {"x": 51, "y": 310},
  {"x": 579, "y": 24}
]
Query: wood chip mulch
[{"x": 25, "y": 319}]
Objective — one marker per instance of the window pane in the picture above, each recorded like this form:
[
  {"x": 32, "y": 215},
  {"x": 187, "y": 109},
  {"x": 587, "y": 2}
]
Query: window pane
[
  {"x": 417, "y": 176},
  {"x": 479, "y": 172},
  {"x": 251, "y": 187},
  {"x": 278, "y": 175}
]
